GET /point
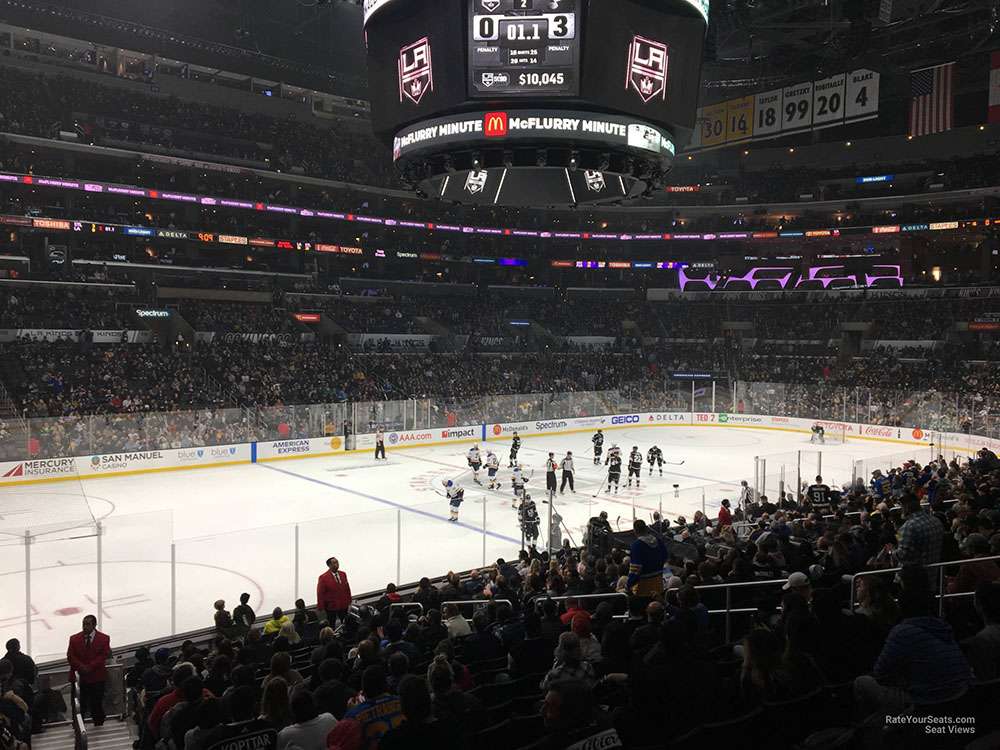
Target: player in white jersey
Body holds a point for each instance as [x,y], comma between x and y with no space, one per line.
[492,466]
[456,496]
[517,480]
[475,462]
[746,496]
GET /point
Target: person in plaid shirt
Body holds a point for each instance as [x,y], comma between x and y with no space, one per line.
[920,536]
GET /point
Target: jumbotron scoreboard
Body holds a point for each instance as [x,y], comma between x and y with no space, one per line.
[534,102]
[523,48]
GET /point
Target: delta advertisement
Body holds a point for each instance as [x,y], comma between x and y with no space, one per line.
[668,418]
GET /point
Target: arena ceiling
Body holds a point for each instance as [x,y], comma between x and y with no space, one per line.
[753,44]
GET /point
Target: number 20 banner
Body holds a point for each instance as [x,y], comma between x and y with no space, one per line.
[829,102]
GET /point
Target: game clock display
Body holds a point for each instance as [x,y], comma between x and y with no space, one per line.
[524,48]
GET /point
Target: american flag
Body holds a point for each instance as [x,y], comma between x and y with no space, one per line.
[932,93]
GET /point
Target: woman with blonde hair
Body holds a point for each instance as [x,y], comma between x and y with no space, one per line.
[288,637]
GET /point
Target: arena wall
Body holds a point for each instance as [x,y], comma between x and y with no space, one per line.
[32,471]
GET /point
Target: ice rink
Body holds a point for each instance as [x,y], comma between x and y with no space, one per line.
[191,537]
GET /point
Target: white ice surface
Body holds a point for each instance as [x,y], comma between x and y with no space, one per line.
[238,528]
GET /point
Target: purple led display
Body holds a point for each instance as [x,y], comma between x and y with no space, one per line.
[783,275]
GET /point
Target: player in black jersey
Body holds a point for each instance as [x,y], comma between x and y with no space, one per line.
[528,517]
[614,464]
[598,441]
[655,456]
[634,466]
[515,446]
[819,496]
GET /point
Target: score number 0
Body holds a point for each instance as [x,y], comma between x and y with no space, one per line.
[524,28]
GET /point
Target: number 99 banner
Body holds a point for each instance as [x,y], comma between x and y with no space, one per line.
[829,102]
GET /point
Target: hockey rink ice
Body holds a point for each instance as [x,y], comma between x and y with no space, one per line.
[227,530]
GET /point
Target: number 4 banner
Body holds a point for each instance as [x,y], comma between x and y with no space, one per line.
[862,95]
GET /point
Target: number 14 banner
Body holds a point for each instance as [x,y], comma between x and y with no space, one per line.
[828,102]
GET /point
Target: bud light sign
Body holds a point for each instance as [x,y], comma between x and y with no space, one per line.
[629,419]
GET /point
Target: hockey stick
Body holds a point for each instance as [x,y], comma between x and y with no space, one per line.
[600,489]
[673,463]
[568,533]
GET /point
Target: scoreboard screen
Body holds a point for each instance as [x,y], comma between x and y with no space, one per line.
[534,102]
[524,48]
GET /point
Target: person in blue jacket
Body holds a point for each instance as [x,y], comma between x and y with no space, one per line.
[647,556]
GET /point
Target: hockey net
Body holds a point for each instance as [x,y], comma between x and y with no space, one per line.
[833,434]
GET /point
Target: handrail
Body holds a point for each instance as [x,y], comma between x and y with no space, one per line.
[540,599]
[79,725]
[939,566]
[728,611]
[581,597]
[405,605]
[476,601]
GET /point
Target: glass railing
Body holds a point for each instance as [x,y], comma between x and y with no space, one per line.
[971,413]
[64,551]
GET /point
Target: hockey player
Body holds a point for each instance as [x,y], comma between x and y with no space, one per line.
[475,462]
[634,466]
[746,497]
[527,515]
[598,541]
[655,456]
[456,496]
[818,434]
[492,466]
[517,481]
[614,464]
[379,444]
[567,473]
[819,496]
[550,474]
[598,441]
[515,446]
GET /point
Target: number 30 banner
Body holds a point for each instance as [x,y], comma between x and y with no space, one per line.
[826,103]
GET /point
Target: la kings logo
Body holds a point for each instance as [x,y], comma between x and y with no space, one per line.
[476,181]
[494,79]
[647,69]
[595,180]
[416,76]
